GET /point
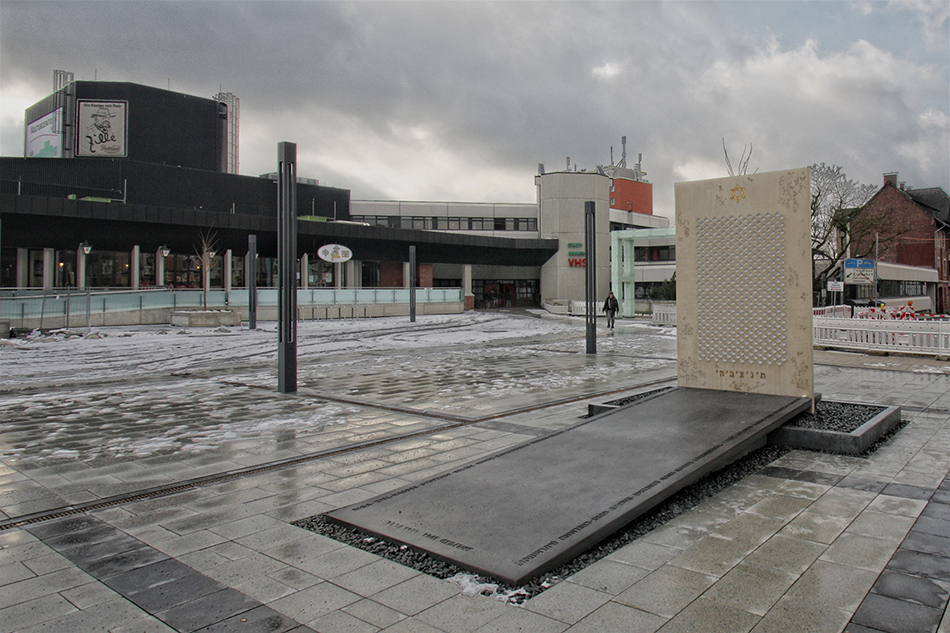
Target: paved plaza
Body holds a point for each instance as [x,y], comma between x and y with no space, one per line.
[150,477]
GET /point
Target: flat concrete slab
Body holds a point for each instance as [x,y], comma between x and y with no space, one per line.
[525,510]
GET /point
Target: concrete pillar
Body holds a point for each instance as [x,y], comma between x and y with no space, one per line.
[159,268]
[406,275]
[337,275]
[304,271]
[467,293]
[205,272]
[49,268]
[228,268]
[134,267]
[354,273]
[80,268]
[22,268]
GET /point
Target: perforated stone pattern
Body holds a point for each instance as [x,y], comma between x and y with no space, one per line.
[740,271]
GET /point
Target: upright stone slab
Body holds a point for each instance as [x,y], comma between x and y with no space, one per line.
[743,283]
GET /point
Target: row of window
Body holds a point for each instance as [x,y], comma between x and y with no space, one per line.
[654,253]
[449,224]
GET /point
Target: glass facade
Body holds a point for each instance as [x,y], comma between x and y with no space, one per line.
[441,223]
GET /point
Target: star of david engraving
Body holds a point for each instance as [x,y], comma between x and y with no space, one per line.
[737,194]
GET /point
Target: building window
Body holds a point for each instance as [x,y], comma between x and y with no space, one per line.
[499,224]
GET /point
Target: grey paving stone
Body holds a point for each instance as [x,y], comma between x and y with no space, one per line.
[15,572]
[917,563]
[860,551]
[375,577]
[416,594]
[609,576]
[896,616]
[925,591]
[258,620]
[342,622]
[795,615]
[617,617]
[666,591]
[148,576]
[927,543]
[567,602]
[23,612]
[750,588]
[374,613]
[174,593]
[207,610]
[708,615]
[523,621]
[836,586]
[103,617]
[123,562]
[314,602]
[908,491]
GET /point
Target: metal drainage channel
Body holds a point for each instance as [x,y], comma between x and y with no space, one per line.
[161,491]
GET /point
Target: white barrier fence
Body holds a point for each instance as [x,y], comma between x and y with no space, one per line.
[927,337]
[861,334]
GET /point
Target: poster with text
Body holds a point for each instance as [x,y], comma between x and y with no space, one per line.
[101,128]
[44,136]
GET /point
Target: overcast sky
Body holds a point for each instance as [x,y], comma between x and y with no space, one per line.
[460,101]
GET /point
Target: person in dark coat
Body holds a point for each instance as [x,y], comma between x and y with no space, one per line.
[610,307]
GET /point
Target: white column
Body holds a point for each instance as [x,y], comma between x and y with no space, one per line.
[467,295]
[134,267]
[228,267]
[304,271]
[205,273]
[159,268]
[337,276]
[22,268]
[80,268]
[354,274]
[49,268]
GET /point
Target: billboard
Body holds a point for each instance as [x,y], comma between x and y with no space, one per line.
[44,136]
[101,129]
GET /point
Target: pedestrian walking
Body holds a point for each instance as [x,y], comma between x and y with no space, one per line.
[610,307]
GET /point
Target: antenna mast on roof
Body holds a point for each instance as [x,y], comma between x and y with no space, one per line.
[623,156]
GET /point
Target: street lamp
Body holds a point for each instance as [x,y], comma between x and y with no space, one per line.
[85,247]
[164,250]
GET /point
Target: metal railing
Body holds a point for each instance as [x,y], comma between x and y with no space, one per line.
[72,307]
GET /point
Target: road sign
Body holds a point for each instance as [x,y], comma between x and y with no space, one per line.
[835,286]
[859,272]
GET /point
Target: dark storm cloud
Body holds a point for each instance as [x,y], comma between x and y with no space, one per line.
[462,99]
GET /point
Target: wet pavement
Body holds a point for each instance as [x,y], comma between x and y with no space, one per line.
[175,470]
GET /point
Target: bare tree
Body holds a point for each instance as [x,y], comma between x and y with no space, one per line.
[839,224]
[743,160]
[206,249]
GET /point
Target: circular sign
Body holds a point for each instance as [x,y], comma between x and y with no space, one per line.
[334,253]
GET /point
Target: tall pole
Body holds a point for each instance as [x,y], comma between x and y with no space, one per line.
[591,285]
[412,284]
[252,282]
[287,268]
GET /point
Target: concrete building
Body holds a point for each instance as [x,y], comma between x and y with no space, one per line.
[110,195]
